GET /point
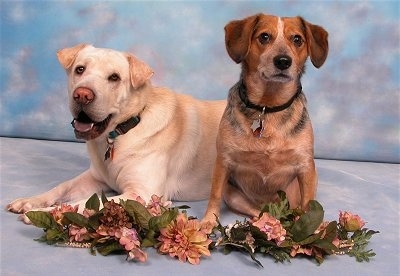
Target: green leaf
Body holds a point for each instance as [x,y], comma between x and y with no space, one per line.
[103,197]
[326,246]
[150,239]
[310,239]
[164,219]
[138,212]
[228,246]
[331,231]
[77,219]
[94,220]
[362,256]
[55,235]
[279,209]
[110,248]
[93,203]
[308,222]
[42,219]
[361,239]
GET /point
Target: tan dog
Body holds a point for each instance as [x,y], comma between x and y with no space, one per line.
[141,140]
[265,140]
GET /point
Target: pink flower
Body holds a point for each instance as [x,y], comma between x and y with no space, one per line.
[140,200]
[58,211]
[350,222]
[105,231]
[78,234]
[184,239]
[155,204]
[137,254]
[128,238]
[271,227]
[88,212]
[297,249]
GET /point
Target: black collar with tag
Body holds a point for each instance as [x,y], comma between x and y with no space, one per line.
[121,129]
[265,109]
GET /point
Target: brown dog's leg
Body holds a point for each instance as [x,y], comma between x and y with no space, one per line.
[308,185]
[238,202]
[219,182]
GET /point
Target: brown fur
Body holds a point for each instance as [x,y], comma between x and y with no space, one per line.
[249,170]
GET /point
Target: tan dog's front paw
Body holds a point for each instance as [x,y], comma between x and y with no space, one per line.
[23,205]
[24,219]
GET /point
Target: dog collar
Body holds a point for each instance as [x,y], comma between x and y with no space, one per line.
[121,129]
[265,109]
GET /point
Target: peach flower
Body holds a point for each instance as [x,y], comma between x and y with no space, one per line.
[184,239]
[58,212]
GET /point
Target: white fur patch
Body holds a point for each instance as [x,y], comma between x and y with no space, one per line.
[280,29]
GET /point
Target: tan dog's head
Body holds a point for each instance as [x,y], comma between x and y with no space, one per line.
[275,48]
[101,85]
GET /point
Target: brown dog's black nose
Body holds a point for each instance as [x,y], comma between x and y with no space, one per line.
[282,62]
[83,95]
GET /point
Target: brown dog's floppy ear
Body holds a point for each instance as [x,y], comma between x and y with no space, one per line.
[238,36]
[317,41]
[140,72]
[67,56]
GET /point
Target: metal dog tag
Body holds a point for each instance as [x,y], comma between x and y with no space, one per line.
[109,152]
[258,125]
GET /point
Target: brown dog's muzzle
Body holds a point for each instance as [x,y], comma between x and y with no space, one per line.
[282,62]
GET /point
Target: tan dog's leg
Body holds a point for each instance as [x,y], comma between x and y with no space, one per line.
[219,182]
[79,187]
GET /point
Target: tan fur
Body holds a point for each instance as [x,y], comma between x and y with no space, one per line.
[171,151]
[249,171]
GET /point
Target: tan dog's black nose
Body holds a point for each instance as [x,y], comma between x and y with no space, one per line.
[83,95]
[282,62]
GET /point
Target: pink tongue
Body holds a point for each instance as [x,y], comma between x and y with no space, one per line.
[82,127]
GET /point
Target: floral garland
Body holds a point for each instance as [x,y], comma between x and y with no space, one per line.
[130,226]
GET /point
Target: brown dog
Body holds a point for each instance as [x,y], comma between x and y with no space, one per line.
[265,140]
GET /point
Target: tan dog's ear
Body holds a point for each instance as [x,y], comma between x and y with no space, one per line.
[67,56]
[140,72]
[238,35]
[317,41]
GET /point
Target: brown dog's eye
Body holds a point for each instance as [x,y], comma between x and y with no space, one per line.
[114,77]
[264,38]
[80,69]
[297,40]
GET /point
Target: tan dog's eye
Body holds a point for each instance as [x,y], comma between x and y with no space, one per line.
[264,38]
[114,77]
[80,69]
[297,40]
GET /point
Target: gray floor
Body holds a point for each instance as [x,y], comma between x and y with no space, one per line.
[32,166]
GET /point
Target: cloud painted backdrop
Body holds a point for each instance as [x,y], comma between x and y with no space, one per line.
[353,99]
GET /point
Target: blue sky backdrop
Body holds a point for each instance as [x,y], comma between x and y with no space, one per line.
[353,99]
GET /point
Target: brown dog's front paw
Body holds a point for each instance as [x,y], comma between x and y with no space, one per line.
[209,221]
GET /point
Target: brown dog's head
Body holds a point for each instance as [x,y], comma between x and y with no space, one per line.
[101,87]
[275,48]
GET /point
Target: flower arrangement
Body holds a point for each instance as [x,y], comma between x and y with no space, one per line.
[130,226]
